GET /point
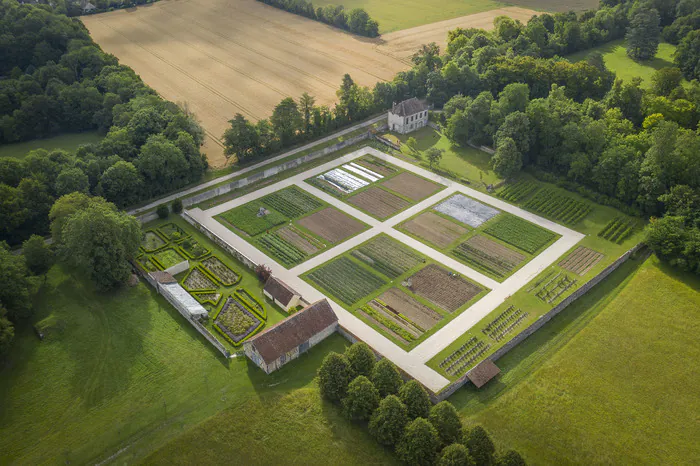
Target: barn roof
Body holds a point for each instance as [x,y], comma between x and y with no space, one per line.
[483,372]
[280,290]
[408,107]
[293,331]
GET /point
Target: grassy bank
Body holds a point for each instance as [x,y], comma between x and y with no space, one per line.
[67,142]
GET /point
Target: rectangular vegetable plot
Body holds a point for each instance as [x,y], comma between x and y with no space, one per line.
[388,256]
[467,210]
[345,279]
[520,233]
[251,220]
[292,202]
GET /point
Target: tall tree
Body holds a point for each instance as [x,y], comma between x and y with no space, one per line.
[306,107]
[16,287]
[443,416]
[7,331]
[507,161]
[687,55]
[121,184]
[644,34]
[389,421]
[361,400]
[420,443]
[479,444]
[386,378]
[286,121]
[334,376]
[455,455]
[241,139]
[415,398]
[361,358]
[38,255]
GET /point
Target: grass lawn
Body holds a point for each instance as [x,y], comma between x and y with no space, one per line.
[464,162]
[616,59]
[394,15]
[611,380]
[127,373]
[68,142]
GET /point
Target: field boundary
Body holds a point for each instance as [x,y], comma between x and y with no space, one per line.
[541,321]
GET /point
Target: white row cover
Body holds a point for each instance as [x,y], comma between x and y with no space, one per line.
[343,180]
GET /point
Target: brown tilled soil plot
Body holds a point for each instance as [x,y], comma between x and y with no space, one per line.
[378,202]
[434,229]
[412,186]
[436,285]
[382,170]
[416,312]
[490,254]
[295,237]
[223,57]
[581,260]
[332,224]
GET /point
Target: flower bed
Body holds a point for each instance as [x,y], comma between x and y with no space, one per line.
[166,258]
[198,279]
[172,232]
[250,301]
[212,297]
[220,271]
[192,249]
[235,322]
[152,241]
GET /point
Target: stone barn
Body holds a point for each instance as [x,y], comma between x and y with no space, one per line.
[407,116]
[286,340]
[281,294]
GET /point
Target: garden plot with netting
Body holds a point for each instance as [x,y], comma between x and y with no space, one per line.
[376,187]
[290,225]
[228,290]
[467,210]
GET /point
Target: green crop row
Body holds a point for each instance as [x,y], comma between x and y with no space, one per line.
[519,191]
[292,202]
[619,229]
[520,233]
[473,256]
[393,326]
[287,254]
[558,206]
[347,280]
[246,219]
[388,256]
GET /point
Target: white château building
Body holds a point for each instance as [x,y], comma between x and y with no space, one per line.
[408,116]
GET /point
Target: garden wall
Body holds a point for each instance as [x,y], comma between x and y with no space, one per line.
[272,171]
[450,389]
[220,242]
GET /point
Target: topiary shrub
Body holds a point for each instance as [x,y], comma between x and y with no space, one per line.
[443,416]
[420,443]
[386,378]
[416,400]
[389,421]
[455,455]
[361,400]
[163,211]
[176,206]
[361,358]
[334,376]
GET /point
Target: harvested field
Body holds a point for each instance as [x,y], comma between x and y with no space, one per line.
[300,240]
[332,225]
[411,186]
[378,202]
[434,229]
[490,255]
[581,260]
[437,286]
[388,256]
[466,210]
[347,280]
[416,312]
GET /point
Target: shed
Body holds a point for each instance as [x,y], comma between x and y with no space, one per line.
[286,340]
[407,116]
[284,296]
[483,372]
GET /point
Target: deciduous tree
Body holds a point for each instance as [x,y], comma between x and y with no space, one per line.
[37,254]
[361,358]
[361,400]
[334,376]
[643,34]
[507,161]
[455,455]
[386,378]
[416,399]
[420,443]
[443,416]
[479,444]
[389,421]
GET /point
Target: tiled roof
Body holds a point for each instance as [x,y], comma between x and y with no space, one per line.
[279,290]
[483,372]
[408,107]
[293,331]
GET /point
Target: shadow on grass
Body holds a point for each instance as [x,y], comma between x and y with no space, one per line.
[536,350]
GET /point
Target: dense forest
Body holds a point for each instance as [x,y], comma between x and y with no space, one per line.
[54,79]
[624,144]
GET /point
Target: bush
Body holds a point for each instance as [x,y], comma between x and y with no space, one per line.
[163,211]
[510,458]
[334,376]
[420,443]
[389,421]
[455,455]
[361,358]
[177,206]
[263,272]
[416,400]
[361,400]
[386,378]
[479,444]
[444,417]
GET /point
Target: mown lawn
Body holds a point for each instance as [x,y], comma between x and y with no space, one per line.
[611,380]
[127,373]
[616,59]
[68,142]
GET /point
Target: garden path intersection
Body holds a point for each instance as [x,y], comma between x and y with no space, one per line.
[414,361]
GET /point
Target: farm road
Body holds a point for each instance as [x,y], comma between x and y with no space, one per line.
[413,362]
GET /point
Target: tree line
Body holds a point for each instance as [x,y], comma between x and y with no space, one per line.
[57,80]
[401,416]
[356,20]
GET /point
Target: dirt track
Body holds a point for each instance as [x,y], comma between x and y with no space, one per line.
[224,57]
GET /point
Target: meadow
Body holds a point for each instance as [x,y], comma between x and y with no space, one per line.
[616,59]
[67,142]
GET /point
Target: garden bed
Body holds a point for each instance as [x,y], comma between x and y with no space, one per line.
[345,279]
[443,288]
[412,186]
[520,233]
[220,271]
[388,256]
[332,225]
[236,322]
[489,255]
[434,229]
[466,210]
[378,202]
[152,241]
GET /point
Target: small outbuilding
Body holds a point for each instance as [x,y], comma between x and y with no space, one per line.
[483,372]
[286,340]
[407,116]
[176,295]
[279,292]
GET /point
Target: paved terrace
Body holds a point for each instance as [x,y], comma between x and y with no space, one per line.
[414,361]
